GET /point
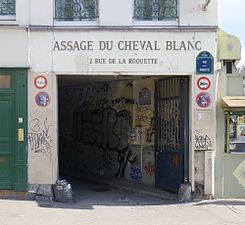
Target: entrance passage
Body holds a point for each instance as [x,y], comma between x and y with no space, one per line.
[13,155]
[106,127]
[171,144]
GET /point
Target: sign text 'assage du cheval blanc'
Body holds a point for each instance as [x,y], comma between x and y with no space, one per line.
[125,46]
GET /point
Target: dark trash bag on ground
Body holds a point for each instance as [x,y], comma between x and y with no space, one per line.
[63,191]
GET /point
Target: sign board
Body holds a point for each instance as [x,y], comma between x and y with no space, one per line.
[203,83]
[121,52]
[203,99]
[42,99]
[40,82]
[205,63]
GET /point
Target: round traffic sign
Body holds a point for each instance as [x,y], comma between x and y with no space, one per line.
[40,82]
[42,99]
[203,99]
[203,83]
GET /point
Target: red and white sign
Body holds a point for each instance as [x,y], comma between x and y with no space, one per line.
[203,83]
[203,99]
[40,82]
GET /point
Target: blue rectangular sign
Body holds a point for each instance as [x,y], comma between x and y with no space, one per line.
[205,63]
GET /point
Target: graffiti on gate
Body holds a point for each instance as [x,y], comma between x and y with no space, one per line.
[135,174]
[39,137]
[202,141]
[149,169]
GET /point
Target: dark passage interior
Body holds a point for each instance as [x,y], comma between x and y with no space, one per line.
[106,127]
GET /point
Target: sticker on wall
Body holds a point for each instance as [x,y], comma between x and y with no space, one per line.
[145,96]
[205,63]
[203,83]
[42,99]
[203,99]
[40,82]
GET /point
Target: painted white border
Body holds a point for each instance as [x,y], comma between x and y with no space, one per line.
[7,18]
[155,23]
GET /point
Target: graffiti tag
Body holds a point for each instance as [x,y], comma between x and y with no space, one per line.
[149,169]
[106,128]
[203,142]
[123,100]
[124,159]
[135,174]
[151,130]
[40,140]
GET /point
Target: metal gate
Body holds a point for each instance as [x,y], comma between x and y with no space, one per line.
[172,132]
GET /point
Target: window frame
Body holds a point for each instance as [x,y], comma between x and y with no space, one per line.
[164,22]
[8,17]
[227,132]
[77,23]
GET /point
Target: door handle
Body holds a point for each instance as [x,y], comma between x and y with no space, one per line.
[20,134]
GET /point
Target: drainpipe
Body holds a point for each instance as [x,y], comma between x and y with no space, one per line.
[204,7]
[29,34]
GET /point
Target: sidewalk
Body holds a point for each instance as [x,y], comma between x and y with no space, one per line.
[97,205]
[101,205]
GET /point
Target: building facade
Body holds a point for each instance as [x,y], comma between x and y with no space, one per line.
[108,88]
[229,163]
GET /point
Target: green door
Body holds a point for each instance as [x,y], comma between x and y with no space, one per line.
[13,121]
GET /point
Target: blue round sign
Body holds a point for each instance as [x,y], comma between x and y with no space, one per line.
[203,99]
[42,99]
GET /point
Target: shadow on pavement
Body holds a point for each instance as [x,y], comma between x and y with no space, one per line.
[87,195]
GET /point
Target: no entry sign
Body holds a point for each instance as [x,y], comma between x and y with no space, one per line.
[203,83]
[203,99]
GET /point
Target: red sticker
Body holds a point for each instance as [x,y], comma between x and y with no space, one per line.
[175,159]
[203,83]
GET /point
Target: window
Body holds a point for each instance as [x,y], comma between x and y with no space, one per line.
[235,132]
[76,10]
[7,8]
[5,81]
[228,67]
[155,10]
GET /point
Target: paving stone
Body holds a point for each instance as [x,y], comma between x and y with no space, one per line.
[44,201]
[45,190]
[184,194]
